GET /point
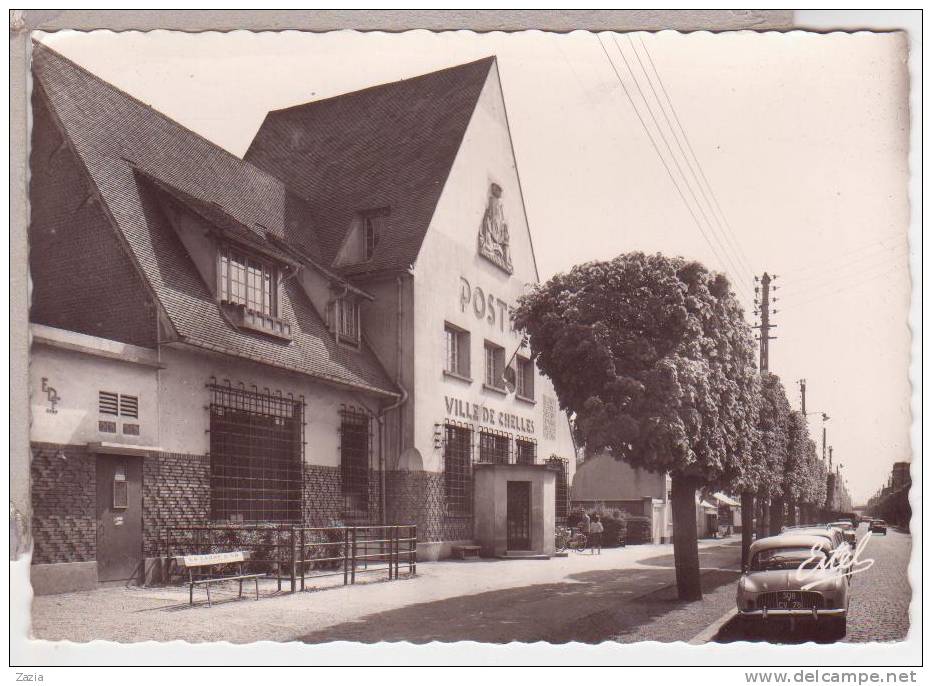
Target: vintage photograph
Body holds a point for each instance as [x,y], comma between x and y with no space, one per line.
[585,337]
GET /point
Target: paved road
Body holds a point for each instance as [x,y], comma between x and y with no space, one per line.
[626,605]
[879,608]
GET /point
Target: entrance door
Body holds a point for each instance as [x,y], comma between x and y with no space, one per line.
[119,518]
[519,515]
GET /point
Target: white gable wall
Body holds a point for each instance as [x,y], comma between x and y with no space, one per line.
[453,283]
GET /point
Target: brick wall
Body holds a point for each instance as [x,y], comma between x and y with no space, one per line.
[175,492]
[418,498]
[82,278]
[64,504]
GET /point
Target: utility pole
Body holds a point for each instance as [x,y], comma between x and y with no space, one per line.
[763,301]
[802,393]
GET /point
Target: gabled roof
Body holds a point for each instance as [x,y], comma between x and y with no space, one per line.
[123,145]
[391,146]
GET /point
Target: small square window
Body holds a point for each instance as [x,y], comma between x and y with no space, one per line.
[525,451]
[494,366]
[456,350]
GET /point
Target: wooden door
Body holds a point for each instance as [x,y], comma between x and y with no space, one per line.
[519,515]
[119,518]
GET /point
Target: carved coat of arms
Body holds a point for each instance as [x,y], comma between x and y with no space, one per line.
[493,234]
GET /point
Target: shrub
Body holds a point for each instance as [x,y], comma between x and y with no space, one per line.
[639,530]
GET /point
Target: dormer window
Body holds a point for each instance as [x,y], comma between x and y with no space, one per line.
[344,319]
[373,228]
[247,281]
[248,291]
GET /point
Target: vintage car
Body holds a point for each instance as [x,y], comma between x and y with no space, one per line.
[849,530]
[877,526]
[792,575]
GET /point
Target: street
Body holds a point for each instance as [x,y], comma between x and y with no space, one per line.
[879,604]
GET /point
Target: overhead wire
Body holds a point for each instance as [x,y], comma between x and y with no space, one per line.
[664,162]
[720,218]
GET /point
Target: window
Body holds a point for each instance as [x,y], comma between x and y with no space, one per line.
[354,463]
[524,378]
[346,320]
[256,446]
[494,366]
[457,468]
[494,447]
[120,488]
[247,281]
[456,351]
[372,230]
[525,451]
[561,491]
[106,427]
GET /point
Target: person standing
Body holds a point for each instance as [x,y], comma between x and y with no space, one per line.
[595,534]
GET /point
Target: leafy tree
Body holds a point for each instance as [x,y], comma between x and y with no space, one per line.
[773,424]
[654,358]
[796,467]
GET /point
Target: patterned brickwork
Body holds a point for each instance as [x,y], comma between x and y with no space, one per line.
[64,502]
[323,497]
[175,492]
[417,498]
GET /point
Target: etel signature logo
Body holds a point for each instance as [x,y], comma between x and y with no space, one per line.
[842,561]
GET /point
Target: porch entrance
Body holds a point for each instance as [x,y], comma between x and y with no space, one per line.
[519,515]
[119,518]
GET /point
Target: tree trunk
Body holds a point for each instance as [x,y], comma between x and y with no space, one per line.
[790,512]
[685,539]
[763,515]
[747,525]
[776,515]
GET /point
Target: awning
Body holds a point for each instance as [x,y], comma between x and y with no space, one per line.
[725,500]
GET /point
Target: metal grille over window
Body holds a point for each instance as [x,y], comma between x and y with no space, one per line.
[256,450]
[561,492]
[494,446]
[525,451]
[129,406]
[457,468]
[355,454]
[108,403]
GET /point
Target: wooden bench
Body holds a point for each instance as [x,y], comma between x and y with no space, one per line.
[466,552]
[193,562]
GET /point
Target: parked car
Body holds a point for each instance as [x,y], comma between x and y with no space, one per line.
[772,584]
[877,526]
[849,530]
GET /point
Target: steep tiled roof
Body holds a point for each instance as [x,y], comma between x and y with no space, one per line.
[387,146]
[122,142]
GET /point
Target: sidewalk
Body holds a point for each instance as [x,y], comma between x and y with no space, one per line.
[580,597]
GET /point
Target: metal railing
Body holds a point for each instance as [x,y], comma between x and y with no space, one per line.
[298,554]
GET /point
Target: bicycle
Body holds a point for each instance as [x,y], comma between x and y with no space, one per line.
[567,538]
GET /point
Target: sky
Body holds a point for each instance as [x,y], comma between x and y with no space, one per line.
[787,152]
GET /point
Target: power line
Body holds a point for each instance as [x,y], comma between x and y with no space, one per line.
[840,272]
[663,161]
[726,228]
[820,266]
[848,287]
[730,263]
[660,155]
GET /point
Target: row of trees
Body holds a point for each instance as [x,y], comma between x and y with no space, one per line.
[654,359]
